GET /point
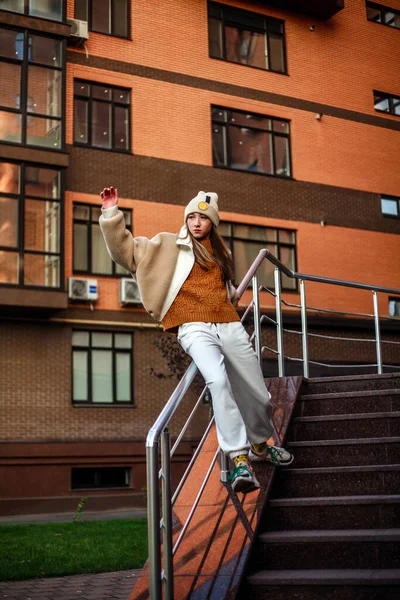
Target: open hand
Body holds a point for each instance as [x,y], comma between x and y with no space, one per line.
[109,197]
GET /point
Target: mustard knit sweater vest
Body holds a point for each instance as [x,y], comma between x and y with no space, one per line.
[201,298]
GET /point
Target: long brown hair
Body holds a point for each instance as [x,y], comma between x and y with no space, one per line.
[221,257]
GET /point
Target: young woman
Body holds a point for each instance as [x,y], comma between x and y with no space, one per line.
[185,282]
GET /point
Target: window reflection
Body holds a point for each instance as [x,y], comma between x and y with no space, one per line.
[250,142]
[30,220]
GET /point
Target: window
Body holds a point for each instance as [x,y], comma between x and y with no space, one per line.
[105,16]
[390,206]
[394,307]
[246,38]
[90,252]
[100,477]
[250,142]
[31,90]
[245,242]
[383,14]
[44,9]
[30,225]
[102,368]
[387,103]
[102,118]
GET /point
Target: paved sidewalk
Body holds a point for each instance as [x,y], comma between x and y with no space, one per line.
[66,517]
[95,586]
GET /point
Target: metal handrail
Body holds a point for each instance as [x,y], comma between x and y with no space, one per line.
[159,431]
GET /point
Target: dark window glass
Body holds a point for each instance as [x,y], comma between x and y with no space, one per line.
[250,142]
[245,242]
[110,17]
[383,14]
[30,226]
[102,116]
[246,38]
[390,206]
[100,477]
[101,17]
[44,9]
[31,90]
[102,367]
[387,103]
[90,252]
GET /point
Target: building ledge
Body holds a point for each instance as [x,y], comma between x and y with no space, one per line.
[17,301]
[34,23]
[311,8]
[21,153]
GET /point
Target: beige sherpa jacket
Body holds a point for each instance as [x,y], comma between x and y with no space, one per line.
[160,265]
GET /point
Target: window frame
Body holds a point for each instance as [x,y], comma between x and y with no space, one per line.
[383,10]
[90,402]
[113,104]
[396,199]
[89,18]
[88,223]
[390,98]
[227,148]
[20,248]
[25,63]
[396,300]
[265,30]
[229,242]
[27,13]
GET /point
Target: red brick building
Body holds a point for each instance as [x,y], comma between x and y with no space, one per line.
[288,110]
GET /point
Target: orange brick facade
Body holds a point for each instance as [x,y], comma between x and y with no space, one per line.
[341,164]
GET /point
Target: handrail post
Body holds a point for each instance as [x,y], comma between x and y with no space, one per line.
[377,333]
[153,508]
[167,516]
[279,323]
[224,467]
[304,329]
[257,322]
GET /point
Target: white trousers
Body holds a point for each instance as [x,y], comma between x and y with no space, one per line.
[226,359]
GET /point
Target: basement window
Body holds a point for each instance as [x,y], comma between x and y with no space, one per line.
[394,307]
[102,477]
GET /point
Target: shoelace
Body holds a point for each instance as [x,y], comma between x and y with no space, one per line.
[275,455]
[237,471]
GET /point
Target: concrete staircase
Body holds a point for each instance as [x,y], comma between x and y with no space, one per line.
[331,528]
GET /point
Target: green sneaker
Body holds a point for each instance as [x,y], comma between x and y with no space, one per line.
[243,479]
[279,457]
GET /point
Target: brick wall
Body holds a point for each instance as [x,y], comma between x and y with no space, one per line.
[36,390]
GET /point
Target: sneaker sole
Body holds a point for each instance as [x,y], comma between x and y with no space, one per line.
[255,458]
[245,486]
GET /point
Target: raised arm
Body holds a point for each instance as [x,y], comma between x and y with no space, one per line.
[121,246]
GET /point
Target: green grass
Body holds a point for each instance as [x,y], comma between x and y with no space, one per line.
[51,550]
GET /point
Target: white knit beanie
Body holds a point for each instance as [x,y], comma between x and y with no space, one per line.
[205,203]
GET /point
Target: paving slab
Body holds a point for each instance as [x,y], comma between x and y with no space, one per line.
[93,586]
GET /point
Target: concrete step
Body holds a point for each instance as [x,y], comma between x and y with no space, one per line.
[346,452]
[337,481]
[369,401]
[331,512]
[314,584]
[334,427]
[328,549]
[347,383]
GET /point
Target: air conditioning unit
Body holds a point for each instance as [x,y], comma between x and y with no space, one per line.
[84,290]
[129,292]
[79,31]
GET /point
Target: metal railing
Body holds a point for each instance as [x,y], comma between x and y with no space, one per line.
[160,511]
